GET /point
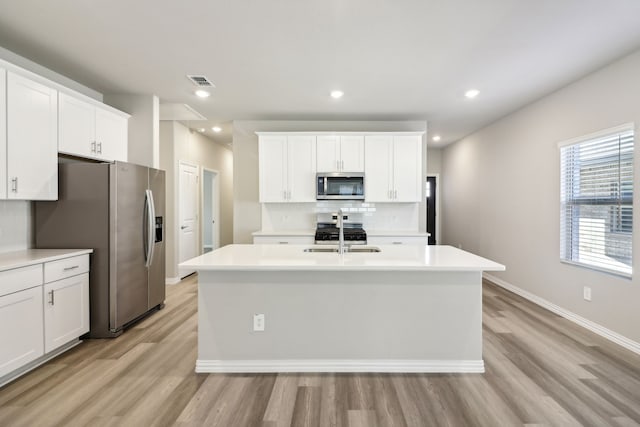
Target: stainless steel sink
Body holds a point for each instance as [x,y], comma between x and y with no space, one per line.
[353,249]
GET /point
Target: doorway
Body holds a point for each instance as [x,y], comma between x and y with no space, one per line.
[210,210]
[187,214]
[433,206]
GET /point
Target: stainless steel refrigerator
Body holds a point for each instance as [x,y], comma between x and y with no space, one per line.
[118,210]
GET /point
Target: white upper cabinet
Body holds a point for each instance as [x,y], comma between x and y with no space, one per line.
[393,168]
[287,168]
[91,131]
[3,133]
[343,153]
[32,139]
[111,135]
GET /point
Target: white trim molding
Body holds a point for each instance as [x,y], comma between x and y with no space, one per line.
[338,365]
[172,280]
[579,320]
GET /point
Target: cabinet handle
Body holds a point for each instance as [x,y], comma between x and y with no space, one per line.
[51,298]
[397,243]
[99,147]
[71,268]
[93,147]
[14,184]
[289,195]
[341,165]
[338,165]
[395,194]
[284,194]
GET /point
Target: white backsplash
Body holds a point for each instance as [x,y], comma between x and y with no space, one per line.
[16,225]
[376,217]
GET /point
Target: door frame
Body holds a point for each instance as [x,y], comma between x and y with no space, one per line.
[215,197]
[438,201]
[197,222]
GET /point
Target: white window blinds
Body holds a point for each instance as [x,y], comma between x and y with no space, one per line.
[596,201]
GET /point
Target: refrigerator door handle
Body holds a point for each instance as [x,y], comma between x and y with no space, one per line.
[151,216]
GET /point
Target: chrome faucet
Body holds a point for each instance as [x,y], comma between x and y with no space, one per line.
[341,248]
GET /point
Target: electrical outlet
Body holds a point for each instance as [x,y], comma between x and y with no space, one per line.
[258,322]
[586,293]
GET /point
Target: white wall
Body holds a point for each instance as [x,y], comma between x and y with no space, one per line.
[178,143]
[434,160]
[144,139]
[501,195]
[247,209]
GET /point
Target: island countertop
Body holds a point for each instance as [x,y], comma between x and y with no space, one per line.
[294,258]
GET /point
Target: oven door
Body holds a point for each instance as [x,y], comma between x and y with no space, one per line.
[340,186]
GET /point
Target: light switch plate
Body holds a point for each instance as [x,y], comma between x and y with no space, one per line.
[258,322]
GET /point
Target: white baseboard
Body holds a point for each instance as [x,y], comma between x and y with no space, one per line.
[171,280]
[337,365]
[39,361]
[585,323]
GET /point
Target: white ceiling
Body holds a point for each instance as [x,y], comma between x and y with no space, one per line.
[279,59]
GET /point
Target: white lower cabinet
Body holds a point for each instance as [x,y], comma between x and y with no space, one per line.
[66,310]
[21,329]
[43,306]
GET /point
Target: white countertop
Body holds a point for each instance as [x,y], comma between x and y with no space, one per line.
[293,258]
[381,233]
[10,260]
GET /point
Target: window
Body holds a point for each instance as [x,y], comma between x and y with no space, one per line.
[596,200]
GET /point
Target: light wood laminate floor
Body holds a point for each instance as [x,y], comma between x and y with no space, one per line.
[540,370]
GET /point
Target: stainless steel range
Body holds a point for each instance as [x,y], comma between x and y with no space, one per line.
[327,231]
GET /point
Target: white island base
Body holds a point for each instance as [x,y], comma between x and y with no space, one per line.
[405,309]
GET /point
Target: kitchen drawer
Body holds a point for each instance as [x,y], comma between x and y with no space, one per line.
[67,267]
[19,279]
[397,240]
[283,240]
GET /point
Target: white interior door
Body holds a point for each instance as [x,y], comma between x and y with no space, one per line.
[188,215]
[210,211]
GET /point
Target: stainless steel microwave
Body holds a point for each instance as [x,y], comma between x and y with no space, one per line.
[340,186]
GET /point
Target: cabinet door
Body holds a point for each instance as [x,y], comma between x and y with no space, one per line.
[3,133]
[111,135]
[66,310]
[301,168]
[76,127]
[378,171]
[352,153]
[328,153]
[272,160]
[21,329]
[407,168]
[32,139]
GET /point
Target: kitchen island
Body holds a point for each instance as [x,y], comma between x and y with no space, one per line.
[406,308]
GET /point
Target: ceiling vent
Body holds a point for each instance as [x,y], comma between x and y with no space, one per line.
[200,81]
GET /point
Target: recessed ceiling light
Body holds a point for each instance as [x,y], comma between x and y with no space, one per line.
[216,128]
[201,130]
[472,93]
[436,138]
[336,94]
[202,93]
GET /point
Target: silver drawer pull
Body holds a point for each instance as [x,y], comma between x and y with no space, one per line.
[71,268]
[283,243]
[51,298]
[397,243]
